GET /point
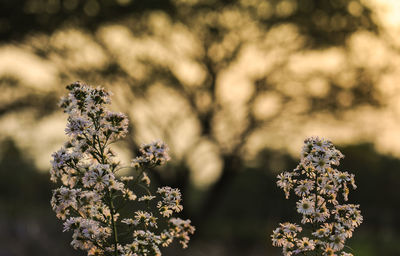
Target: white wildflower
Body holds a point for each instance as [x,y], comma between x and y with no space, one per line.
[92,196]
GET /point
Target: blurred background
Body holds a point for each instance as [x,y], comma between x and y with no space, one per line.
[233,86]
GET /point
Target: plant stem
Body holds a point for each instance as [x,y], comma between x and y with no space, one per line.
[111,203]
[314,228]
[114,226]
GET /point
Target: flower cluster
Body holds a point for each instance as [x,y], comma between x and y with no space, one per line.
[151,155]
[91,195]
[319,187]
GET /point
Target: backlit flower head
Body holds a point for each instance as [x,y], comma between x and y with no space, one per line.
[151,155]
[321,189]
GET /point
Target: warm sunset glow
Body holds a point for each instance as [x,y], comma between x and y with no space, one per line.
[165,112]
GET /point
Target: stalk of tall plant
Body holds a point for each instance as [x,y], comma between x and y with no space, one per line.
[92,196]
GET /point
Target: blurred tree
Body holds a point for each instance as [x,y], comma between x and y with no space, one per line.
[233,63]
[217,79]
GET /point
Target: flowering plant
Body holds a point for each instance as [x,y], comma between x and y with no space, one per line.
[319,186]
[92,196]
